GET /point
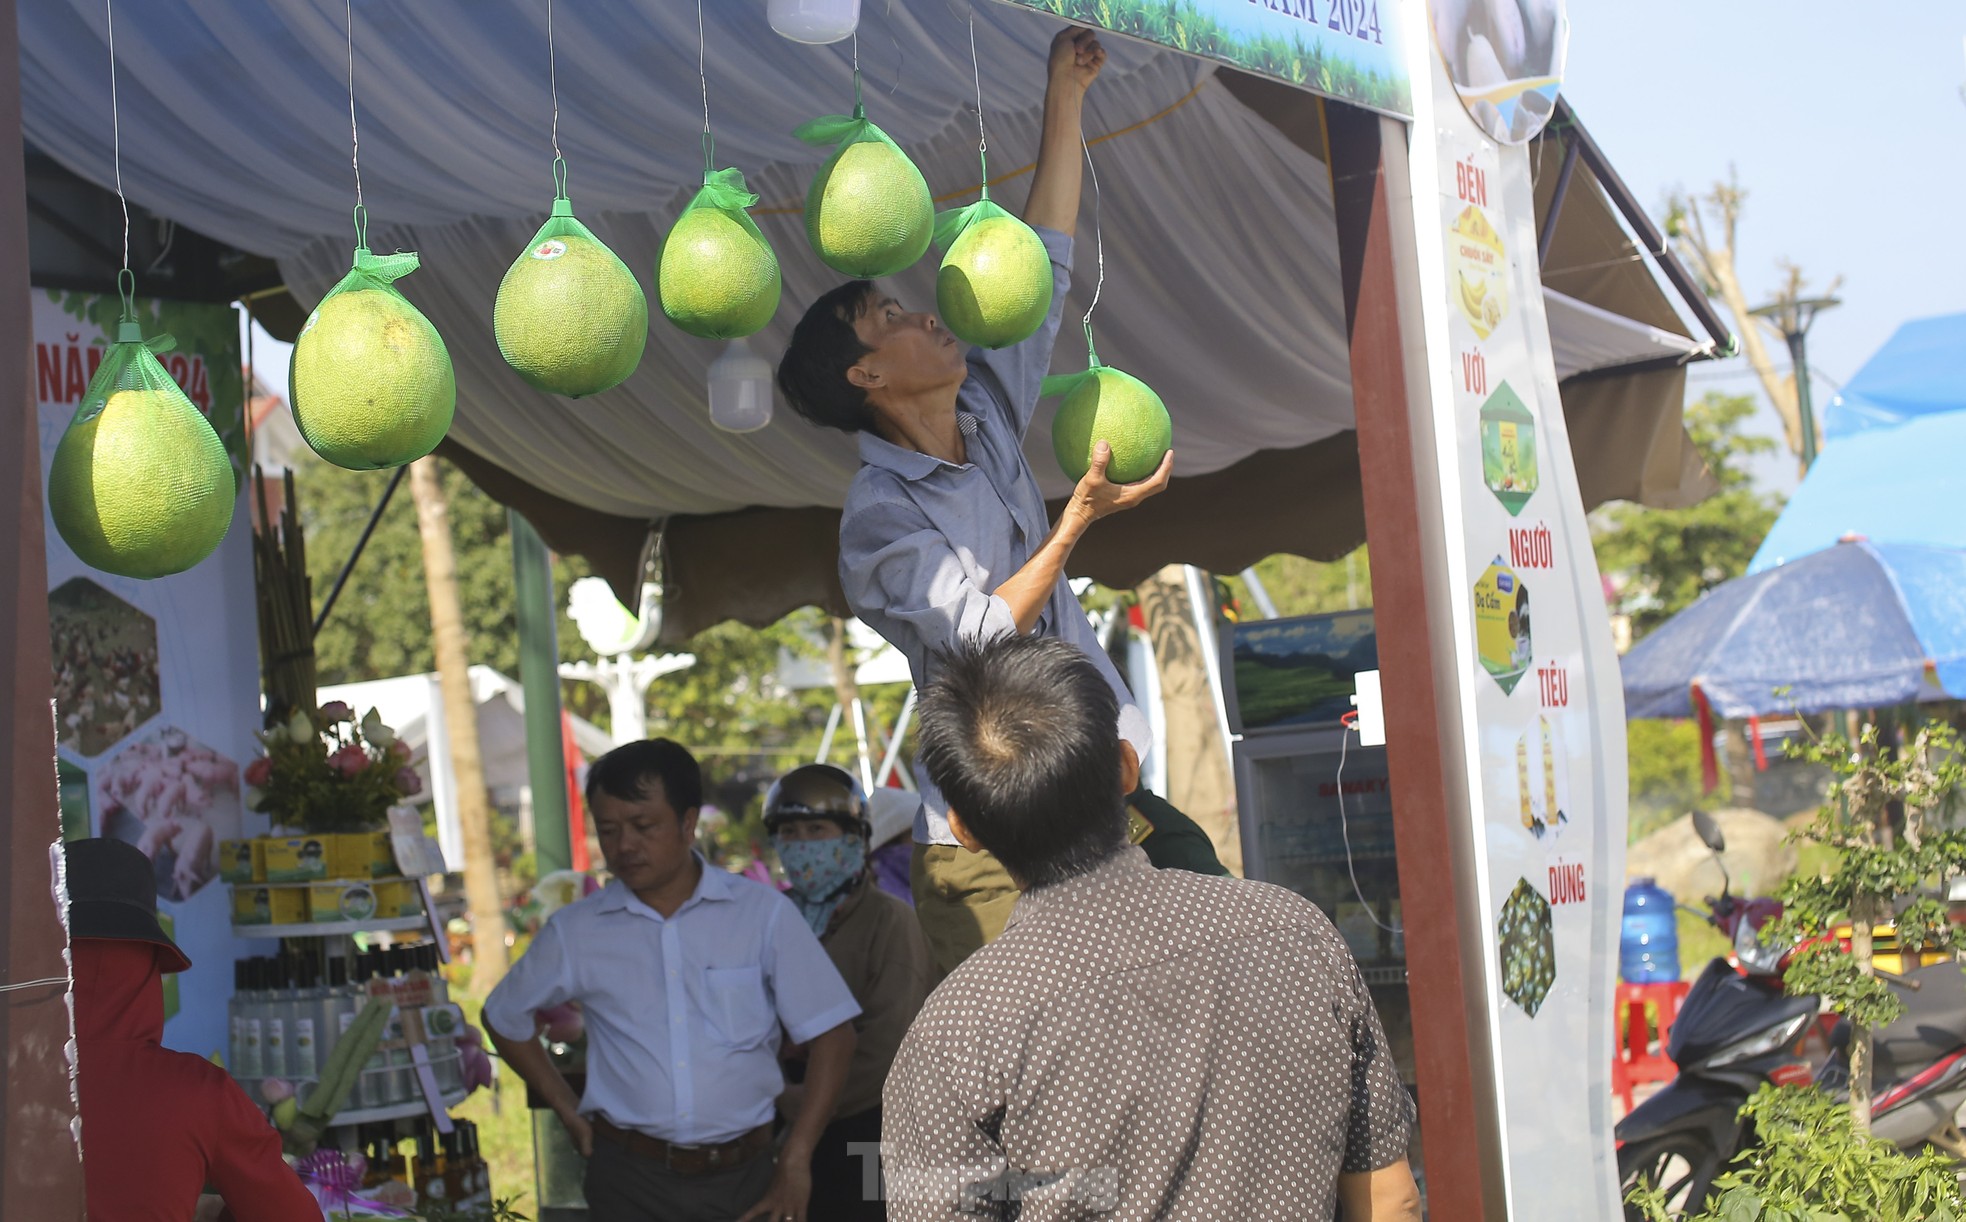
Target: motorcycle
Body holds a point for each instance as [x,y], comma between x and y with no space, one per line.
[1737,1030]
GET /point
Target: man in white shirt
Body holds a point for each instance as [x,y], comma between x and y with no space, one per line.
[686,974]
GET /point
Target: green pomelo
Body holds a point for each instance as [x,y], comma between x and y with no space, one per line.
[1120,410]
[371,381]
[868,213]
[145,488]
[994,287]
[570,317]
[717,280]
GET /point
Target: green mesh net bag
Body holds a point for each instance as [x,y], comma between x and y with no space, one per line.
[1109,405]
[716,275]
[570,317]
[994,286]
[868,211]
[141,485]
[370,380]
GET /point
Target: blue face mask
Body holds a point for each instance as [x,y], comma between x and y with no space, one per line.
[819,872]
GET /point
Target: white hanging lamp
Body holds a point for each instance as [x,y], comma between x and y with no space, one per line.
[814,21]
[740,389]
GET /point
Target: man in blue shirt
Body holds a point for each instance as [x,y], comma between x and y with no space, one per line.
[686,974]
[944,536]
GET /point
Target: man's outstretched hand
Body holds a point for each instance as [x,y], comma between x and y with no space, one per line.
[1097,497]
[1076,58]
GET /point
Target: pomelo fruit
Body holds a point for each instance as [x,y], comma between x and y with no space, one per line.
[868,212]
[570,317]
[371,382]
[1119,409]
[994,287]
[145,488]
[716,278]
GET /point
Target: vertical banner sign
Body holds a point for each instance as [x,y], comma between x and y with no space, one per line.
[157,682]
[1351,50]
[1548,712]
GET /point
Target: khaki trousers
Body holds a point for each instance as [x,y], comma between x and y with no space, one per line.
[962,899]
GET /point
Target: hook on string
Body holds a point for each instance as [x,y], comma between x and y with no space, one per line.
[361,227]
[559,177]
[126,287]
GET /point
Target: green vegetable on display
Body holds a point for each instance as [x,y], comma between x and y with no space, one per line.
[717,276]
[868,213]
[141,485]
[570,317]
[371,383]
[995,285]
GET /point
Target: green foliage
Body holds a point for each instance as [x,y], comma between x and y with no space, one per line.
[381,625]
[1811,1165]
[1665,774]
[1307,587]
[1886,822]
[1664,559]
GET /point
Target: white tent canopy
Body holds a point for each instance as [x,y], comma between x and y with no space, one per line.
[1223,285]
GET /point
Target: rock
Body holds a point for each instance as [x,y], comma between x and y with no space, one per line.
[1756,856]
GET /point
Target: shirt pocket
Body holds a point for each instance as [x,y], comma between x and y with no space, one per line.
[739,1013]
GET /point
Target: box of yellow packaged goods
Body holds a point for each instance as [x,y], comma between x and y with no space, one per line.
[236,860]
[398,899]
[252,905]
[299,859]
[361,855]
[289,905]
[333,902]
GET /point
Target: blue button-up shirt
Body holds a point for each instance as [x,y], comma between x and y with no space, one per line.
[683,1013]
[924,543]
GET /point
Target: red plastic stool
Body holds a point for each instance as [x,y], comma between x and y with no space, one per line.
[1635,1061]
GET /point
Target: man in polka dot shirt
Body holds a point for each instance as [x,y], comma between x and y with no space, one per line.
[1139,1044]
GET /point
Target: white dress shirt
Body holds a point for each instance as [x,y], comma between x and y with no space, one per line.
[683,1013]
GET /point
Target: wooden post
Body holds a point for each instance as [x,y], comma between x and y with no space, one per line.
[1406,531]
[40,1168]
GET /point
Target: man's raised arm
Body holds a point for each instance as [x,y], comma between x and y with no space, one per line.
[1076,58]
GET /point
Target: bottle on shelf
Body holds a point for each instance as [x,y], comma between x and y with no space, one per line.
[247,1029]
[273,1049]
[302,1009]
[430,1186]
[372,1088]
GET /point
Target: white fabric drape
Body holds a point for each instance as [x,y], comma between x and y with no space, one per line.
[1222,285]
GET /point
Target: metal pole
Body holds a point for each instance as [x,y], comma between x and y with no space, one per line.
[1799,359]
[362,543]
[539,677]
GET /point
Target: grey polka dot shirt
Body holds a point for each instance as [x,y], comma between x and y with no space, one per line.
[1144,1044]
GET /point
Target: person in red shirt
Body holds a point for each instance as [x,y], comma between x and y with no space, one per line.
[157,1126]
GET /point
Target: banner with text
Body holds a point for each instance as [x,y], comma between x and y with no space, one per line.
[1351,50]
[157,682]
[1548,711]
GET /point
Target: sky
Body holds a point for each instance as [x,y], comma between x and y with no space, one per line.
[1844,176]
[1848,130]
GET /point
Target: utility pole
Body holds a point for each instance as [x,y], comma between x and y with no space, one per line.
[1793,314]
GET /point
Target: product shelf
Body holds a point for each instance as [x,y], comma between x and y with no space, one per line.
[332,928]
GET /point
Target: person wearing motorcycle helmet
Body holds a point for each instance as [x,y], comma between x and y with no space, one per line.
[818,820]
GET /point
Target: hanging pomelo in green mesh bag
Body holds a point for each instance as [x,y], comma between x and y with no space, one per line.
[868,212]
[994,287]
[370,380]
[570,316]
[141,485]
[717,276]
[1113,406]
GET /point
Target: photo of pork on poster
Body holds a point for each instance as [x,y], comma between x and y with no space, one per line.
[105,660]
[174,798]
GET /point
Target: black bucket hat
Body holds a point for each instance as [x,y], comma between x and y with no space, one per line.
[112,893]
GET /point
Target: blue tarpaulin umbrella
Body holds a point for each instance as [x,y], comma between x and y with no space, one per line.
[1855,626]
[1897,444]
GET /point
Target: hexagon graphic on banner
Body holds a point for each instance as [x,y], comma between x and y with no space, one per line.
[1528,947]
[174,798]
[105,664]
[1508,448]
[1501,607]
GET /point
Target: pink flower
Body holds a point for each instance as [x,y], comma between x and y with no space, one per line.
[349,761]
[408,781]
[399,750]
[259,772]
[336,711]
